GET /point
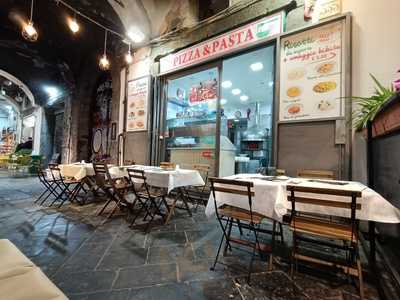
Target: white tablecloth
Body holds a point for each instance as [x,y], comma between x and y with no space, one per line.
[158,177]
[77,171]
[270,200]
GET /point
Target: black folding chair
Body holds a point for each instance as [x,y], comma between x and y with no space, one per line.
[199,194]
[114,189]
[69,188]
[149,201]
[48,183]
[245,218]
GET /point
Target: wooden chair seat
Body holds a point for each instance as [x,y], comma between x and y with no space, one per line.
[240,214]
[324,229]
[71,181]
[153,194]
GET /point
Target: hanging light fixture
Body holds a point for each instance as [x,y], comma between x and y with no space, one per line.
[73,24]
[28,31]
[128,56]
[104,63]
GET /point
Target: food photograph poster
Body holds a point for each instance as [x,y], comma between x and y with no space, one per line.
[138,92]
[311,74]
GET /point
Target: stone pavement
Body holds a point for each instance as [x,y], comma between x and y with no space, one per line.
[91,260]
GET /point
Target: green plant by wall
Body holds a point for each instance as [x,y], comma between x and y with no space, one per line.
[368,107]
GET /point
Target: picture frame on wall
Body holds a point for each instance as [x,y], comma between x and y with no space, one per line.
[113,131]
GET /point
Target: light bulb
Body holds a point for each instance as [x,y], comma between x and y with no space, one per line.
[73,25]
[29,32]
[129,58]
[104,62]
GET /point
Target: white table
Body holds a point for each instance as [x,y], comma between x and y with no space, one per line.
[77,171]
[156,176]
[270,200]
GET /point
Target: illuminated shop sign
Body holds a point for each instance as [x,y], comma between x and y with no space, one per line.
[242,37]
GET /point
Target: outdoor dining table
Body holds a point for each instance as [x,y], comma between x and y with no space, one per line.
[270,199]
[170,180]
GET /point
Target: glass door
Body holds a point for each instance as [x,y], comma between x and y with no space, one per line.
[191,118]
[247,93]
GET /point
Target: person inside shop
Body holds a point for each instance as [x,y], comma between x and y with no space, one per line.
[25,145]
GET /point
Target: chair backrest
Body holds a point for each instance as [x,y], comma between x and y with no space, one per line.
[204,171]
[129,162]
[280,172]
[316,196]
[235,187]
[167,165]
[102,175]
[55,158]
[137,177]
[55,172]
[318,174]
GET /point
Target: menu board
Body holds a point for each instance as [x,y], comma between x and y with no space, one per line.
[137,108]
[311,74]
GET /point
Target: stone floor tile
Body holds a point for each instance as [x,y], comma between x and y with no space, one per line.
[164,292]
[166,239]
[123,258]
[108,295]
[84,282]
[199,270]
[146,275]
[168,254]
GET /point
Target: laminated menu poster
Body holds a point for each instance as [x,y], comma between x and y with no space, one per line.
[311,74]
[138,92]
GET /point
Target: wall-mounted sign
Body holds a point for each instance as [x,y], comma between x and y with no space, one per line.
[245,36]
[137,100]
[311,74]
[321,9]
[327,8]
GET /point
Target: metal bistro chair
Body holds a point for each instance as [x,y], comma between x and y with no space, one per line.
[115,189]
[327,231]
[48,183]
[146,198]
[69,188]
[245,218]
[200,193]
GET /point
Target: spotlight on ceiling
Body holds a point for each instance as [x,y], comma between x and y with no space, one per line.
[257,66]
[236,92]
[244,98]
[226,84]
[135,34]
[223,101]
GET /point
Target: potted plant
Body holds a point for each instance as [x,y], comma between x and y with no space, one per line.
[368,107]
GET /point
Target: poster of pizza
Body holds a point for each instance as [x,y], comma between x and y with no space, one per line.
[137,108]
[311,76]
[204,91]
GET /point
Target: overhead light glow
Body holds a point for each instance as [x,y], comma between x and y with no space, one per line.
[226,84]
[3,92]
[29,32]
[244,98]
[257,66]
[135,34]
[223,101]
[52,91]
[128,56]
[104,63]
[73,25]
[236,92]
[271,83]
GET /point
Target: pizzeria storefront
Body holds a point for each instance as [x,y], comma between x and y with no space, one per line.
[256,97]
